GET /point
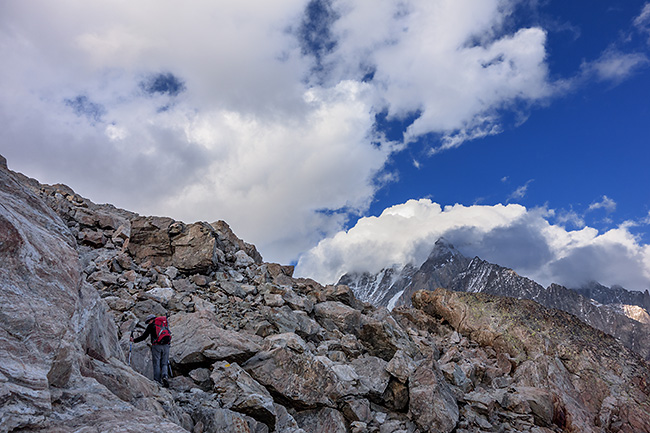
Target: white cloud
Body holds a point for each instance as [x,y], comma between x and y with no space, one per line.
[257,138]
[254,138]
[614,65]
[450,60]
[511,235]
[564,218]
[642,22]
[520,192]
[401,234]
[606,203]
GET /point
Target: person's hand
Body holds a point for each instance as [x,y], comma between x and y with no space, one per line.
[131,339]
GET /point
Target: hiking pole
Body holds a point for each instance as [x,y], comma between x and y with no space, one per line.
[131,346]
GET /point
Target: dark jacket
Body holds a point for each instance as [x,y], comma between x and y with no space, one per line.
[149,331]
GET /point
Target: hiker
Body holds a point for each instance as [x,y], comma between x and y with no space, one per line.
[158,330]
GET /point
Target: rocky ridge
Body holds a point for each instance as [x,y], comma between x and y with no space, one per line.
[257,350]
[447,267]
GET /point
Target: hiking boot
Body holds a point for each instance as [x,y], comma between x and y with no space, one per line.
[165,382]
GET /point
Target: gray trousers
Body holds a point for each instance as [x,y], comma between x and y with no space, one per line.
[160,360]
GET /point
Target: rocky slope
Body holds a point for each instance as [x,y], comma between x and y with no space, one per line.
[635,305]
[447,267]
[256,350]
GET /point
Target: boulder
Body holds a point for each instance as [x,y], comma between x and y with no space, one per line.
[383,336]
[357,409]
[198,340]
[431,404]
[300,378]
[287,320]
[401,366]
[243,260]
[372,374]
[285,423]
[132,387]
[322,420]
[210,417]
[194,248]
[229,243]
[150,241]
[336,315]
[545,407]
[238,391]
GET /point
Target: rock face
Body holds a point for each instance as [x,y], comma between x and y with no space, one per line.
[55,328]
[587,375]
[256,350]
[447,267]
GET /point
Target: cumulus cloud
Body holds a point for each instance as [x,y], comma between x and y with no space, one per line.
[247,111]
[244,110]
[511,235]
[450,61]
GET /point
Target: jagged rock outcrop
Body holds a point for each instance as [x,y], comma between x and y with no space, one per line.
[253,349]
[591,382]
[54,329]
[447,267]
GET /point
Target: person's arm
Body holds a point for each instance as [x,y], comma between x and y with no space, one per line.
[145,334]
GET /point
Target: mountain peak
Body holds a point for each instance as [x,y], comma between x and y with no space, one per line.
[443,248]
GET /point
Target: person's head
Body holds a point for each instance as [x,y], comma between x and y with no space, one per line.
[149,318]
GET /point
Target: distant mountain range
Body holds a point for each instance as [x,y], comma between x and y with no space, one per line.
[621,313]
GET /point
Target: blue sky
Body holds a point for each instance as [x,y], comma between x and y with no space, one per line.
[349,135]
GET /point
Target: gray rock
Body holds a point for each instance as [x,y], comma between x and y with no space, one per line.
[401,366]
[322,420]
[52,324]
[431,403]
[287,320]
[243,260]
[336,315]
[210,417]
[300,378]
[194,248]
[372,374]
[233,289]
[383,336]
[285,423]
[273,299]
[241,393]
[196,339]
[357,409]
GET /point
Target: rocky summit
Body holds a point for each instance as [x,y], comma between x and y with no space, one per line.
[256,350]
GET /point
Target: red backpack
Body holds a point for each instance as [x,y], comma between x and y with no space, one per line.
[163,334]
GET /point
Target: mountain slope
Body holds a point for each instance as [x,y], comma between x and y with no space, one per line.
[255,350]
[447,267]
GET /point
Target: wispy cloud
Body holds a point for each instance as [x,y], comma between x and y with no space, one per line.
[606,203]
[520,192]
[614,65]
[564,218]
[642,22]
